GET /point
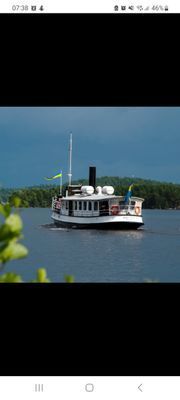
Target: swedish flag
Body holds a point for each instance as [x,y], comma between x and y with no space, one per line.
[128,194]
[54,177]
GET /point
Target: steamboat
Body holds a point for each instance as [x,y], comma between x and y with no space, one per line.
[92,207]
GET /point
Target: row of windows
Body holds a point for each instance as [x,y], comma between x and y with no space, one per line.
[82,205]
[89,205]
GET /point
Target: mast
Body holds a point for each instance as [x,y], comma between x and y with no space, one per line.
[70,159]
[60,185]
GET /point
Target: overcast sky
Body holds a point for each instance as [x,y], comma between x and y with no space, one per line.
[120,141]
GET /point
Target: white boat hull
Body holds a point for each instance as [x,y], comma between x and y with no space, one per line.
[103,222]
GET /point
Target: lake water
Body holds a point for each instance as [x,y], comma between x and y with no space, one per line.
[152,252]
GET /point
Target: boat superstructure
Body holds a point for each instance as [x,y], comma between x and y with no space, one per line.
[95,207]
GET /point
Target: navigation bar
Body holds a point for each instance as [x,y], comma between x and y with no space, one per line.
[89,388]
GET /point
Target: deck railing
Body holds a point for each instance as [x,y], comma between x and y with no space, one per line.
[56,205]
[124,210]
[114,209]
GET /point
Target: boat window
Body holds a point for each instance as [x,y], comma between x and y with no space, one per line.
[90,206]
[66,205]
[80,205]
[133,203]
[75,205]
[104,207]
[95,206]
[85,205]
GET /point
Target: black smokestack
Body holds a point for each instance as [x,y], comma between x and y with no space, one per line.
[92,177]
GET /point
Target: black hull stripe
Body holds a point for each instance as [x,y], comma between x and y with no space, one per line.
[108,225]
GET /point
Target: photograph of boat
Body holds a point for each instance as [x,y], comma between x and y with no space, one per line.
[89,194]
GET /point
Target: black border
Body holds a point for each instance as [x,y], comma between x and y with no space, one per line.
[89,329]
[97,59]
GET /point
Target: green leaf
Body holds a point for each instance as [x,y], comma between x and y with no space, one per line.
[16,201]
[41,276]
[69,278]
[11,228]
[6,235]
[10,277]
[14,223]
[5,210]
[12,251]
[2,209]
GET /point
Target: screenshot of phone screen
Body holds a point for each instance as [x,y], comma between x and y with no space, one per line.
[89,218]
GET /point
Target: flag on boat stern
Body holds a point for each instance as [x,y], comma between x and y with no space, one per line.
[128,194]
[54,177]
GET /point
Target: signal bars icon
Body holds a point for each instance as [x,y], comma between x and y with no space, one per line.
[39,387]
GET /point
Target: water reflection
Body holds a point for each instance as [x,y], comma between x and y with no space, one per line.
[52,227]
[134,234]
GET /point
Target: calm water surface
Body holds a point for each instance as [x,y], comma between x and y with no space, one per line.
[152,252]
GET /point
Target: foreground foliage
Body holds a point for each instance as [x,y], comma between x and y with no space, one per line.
[10,235]
[12,249]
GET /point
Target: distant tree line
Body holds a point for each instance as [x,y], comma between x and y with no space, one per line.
[160,195]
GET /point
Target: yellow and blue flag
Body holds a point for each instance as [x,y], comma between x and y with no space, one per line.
[128,194]
[54,177]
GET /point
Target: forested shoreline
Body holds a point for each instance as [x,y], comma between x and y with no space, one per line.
[157,195]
